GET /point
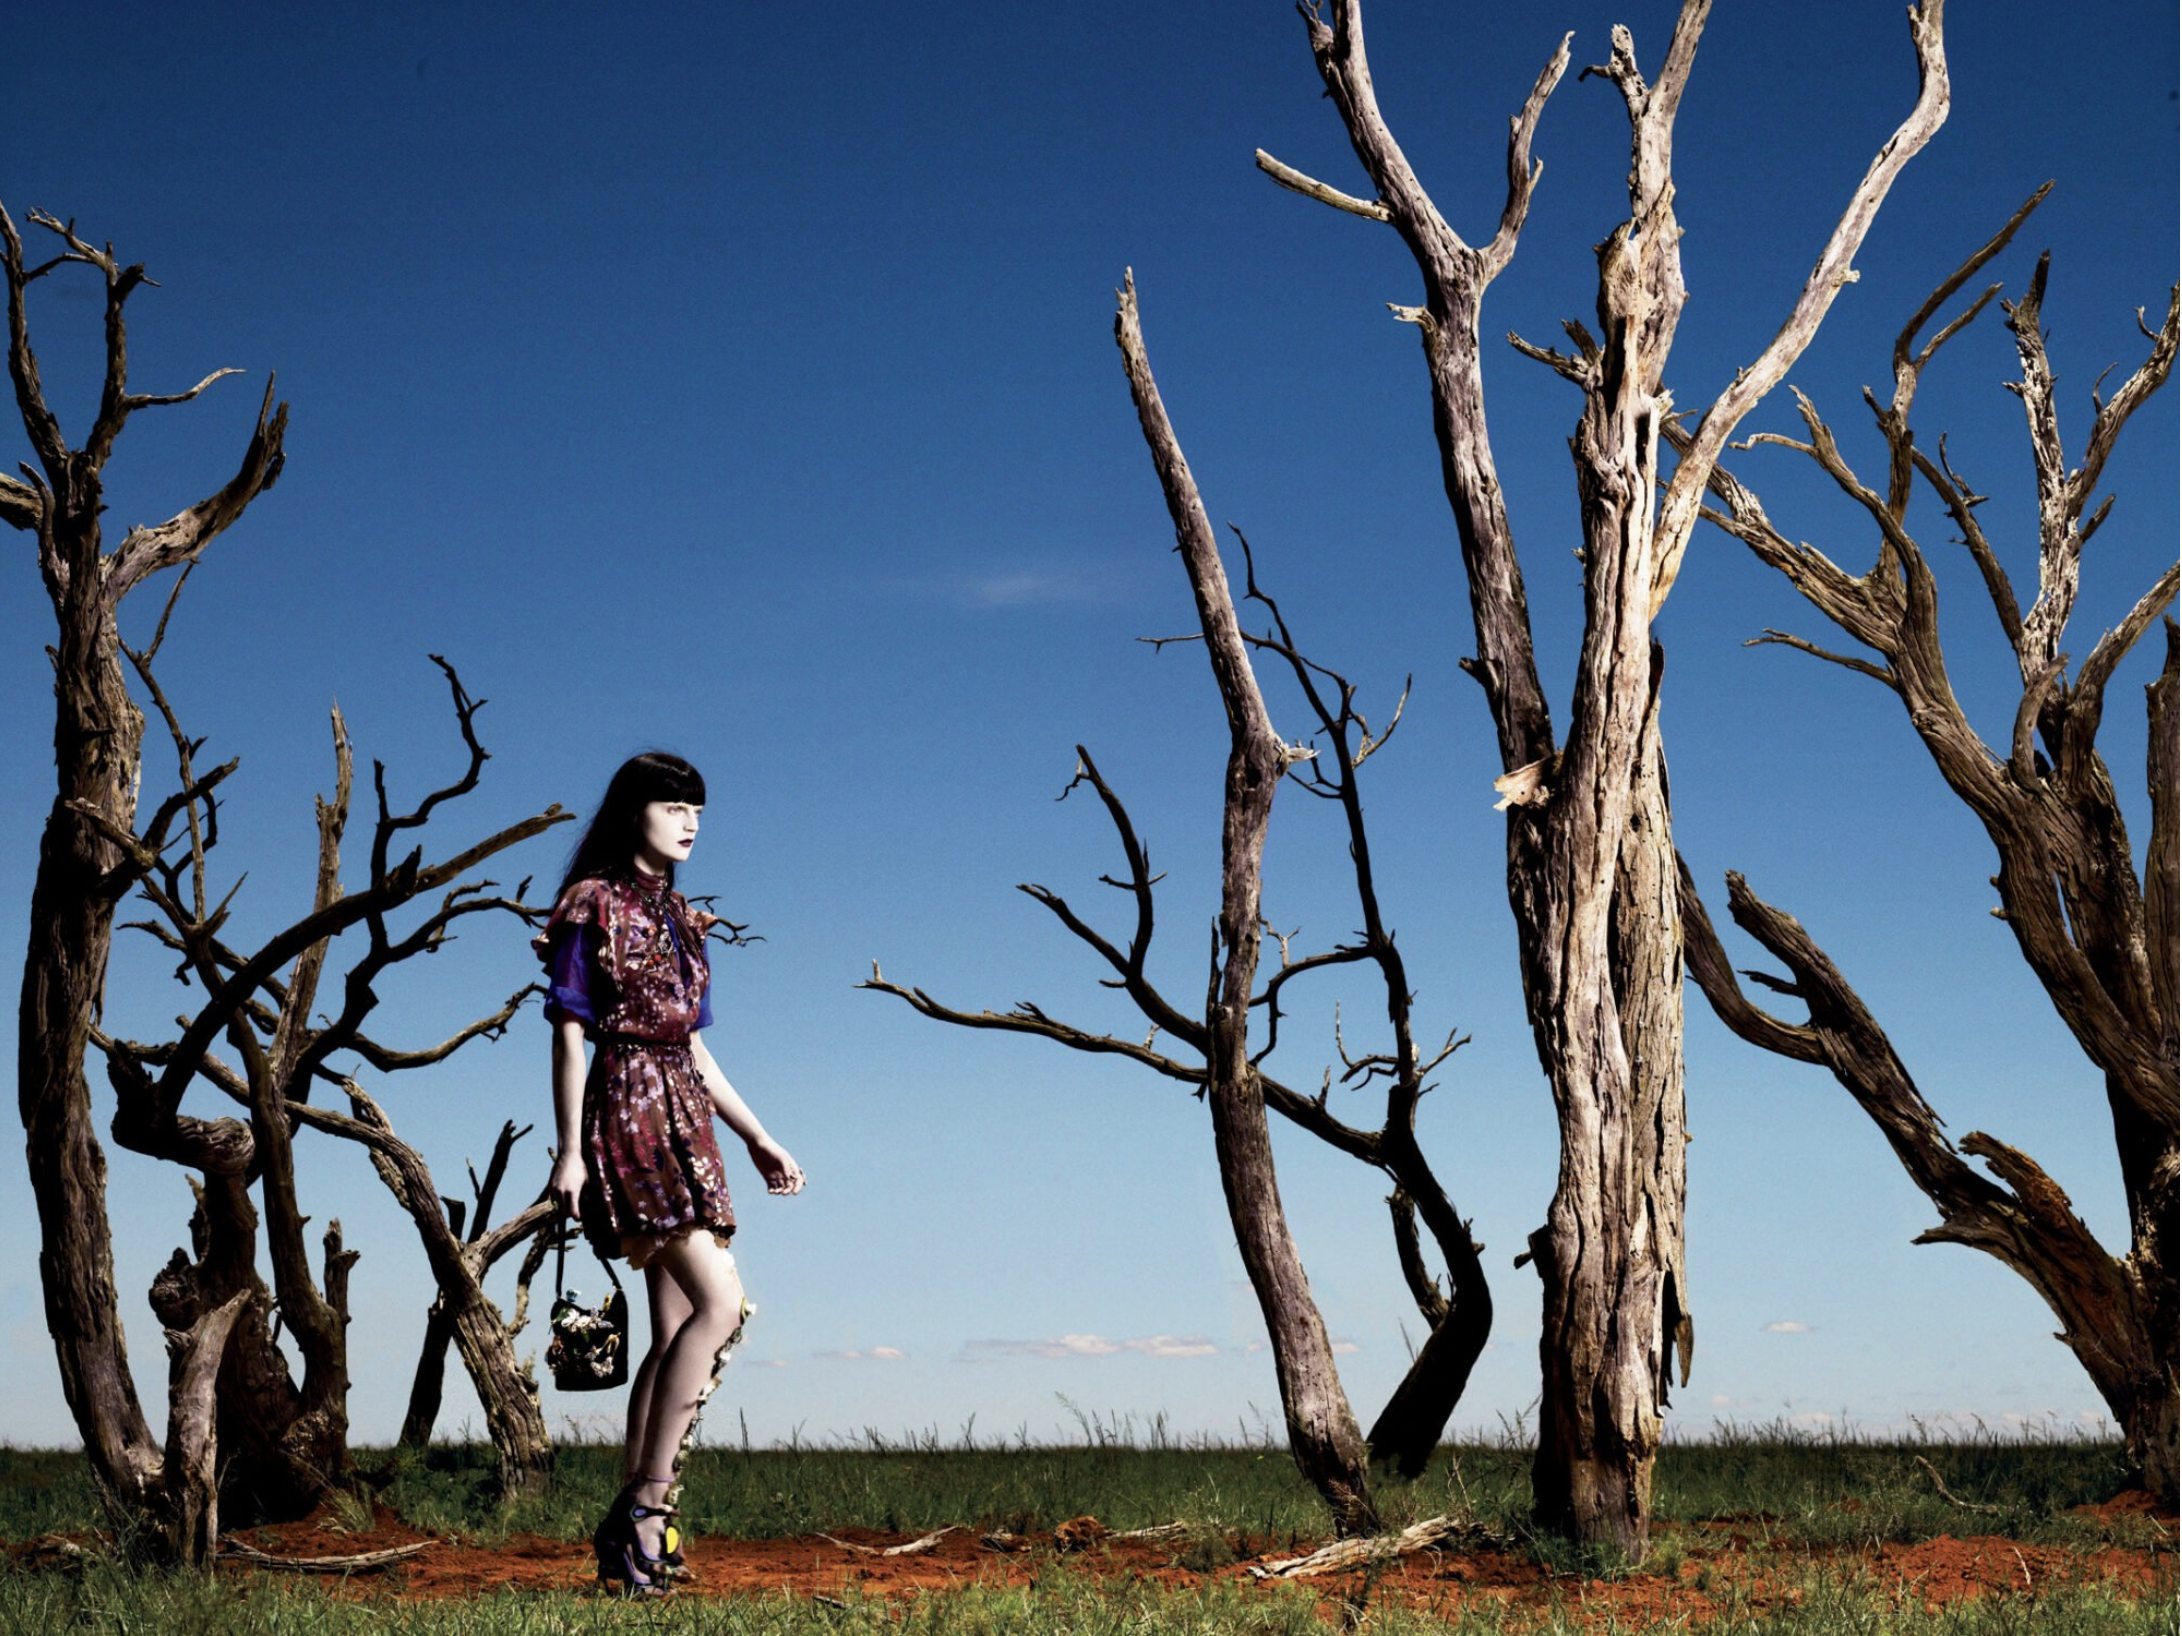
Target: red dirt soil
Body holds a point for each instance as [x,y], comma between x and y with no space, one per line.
[1719,1566]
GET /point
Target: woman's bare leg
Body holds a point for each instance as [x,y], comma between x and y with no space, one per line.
[700,1268]
[670,1310]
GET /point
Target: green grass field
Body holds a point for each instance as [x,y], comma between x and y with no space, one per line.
[1815,1503]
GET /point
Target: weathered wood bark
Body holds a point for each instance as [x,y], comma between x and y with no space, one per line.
[2101,944]
[468,1222]
[1322,1431]
[1590,872]
[482,1337]
[97,740]
[192,1501]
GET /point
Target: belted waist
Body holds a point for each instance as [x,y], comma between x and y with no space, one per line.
[679,1043]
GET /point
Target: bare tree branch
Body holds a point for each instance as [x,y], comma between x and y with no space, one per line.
[1296,182]
[146,550]
[2063,493]
[1522,174]
[1028,1019]
[39,422]
[1834,269]
[1961,504]
[1862,667]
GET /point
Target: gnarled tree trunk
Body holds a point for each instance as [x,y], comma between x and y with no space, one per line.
[1590,850]
[98,735]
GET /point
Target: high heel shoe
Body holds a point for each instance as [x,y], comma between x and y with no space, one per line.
[624,1567]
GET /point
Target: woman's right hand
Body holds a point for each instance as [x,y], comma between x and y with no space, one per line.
[567,1184]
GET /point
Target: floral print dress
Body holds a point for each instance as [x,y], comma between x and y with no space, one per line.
[625,956]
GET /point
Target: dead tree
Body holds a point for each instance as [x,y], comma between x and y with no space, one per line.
[2101,942]
[98,737]
[263,1004]
[1590,854]
[1230,1075]
[467,1222]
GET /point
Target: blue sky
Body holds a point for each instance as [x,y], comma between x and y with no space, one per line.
[740,380]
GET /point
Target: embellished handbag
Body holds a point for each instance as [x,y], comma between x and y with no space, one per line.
[589,1351]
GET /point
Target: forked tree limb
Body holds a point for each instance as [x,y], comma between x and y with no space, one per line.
[2068,886]
[1455,278]
[2064,492]
[144,551]
[1029,1019]
[2088,697]
[1835,268]
[1910,362]
[39,422]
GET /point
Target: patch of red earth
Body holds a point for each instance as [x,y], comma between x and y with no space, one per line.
[1718,1570]
[2132,1502]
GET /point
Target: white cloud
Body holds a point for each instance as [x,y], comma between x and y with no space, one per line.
[1342,1349]
[1052,583]
[1019,588]
[876,1354]
[1788,1326]
[1173,1346]
[1097,1346]
[1060,1346]
[1814,1421]
[1720,1400]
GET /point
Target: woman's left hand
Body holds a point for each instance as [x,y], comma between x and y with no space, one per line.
[782,1174]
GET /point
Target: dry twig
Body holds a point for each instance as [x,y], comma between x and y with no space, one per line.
[362,1562]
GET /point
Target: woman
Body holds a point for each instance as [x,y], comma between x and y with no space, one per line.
[637,1160]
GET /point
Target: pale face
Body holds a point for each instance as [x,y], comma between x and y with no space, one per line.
[665,833]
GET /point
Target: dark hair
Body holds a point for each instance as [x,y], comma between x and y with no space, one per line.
[609,845]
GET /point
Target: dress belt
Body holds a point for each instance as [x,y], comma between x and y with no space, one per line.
[677,1044]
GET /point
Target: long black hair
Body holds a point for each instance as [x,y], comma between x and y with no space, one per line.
[609,845]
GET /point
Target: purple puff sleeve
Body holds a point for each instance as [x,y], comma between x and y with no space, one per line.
[569,964]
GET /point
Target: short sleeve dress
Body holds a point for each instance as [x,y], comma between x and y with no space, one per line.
[625,956]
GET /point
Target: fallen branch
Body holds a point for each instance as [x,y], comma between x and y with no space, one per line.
[1932,1471]
[1163,1530]
[58,1546]
[363,1562]
[925,1543]
[1354,1553]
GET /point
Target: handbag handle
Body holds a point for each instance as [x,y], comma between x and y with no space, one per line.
[560,1266]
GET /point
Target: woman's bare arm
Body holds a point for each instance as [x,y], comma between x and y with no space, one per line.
[568,1075]
[782,1174]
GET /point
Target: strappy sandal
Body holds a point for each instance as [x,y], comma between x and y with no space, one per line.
[669,1561]
[623,1566]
